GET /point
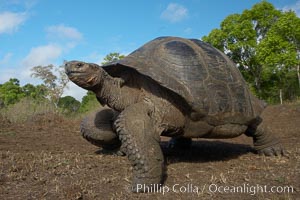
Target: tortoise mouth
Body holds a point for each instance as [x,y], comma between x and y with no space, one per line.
[73,72]
[77,77]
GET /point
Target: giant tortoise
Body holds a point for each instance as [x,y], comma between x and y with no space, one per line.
[174,87]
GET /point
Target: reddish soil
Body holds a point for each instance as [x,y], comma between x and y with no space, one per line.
[47,159]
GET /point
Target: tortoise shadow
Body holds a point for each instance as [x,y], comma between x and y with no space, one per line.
[206,151]
[200,151]
[114,152]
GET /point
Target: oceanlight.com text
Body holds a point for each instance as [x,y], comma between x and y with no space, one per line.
[244,188]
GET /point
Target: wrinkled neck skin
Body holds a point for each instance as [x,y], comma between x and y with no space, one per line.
[111,93]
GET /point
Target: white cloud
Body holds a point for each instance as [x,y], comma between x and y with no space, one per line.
[66,38]
[42,55]
[6,74]
[174,13]
[5,58]
[63,32]
[75,91]
[21,73]
[10,21]
[294,7]
[94,57]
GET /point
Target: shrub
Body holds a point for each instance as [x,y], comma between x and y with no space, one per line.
[25,110]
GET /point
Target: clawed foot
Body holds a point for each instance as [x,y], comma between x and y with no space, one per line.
[275,150]
[267,144]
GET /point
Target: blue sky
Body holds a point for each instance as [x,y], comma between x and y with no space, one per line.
[42,32]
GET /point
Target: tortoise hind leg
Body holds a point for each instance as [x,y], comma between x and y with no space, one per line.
[264,142]
[140,141]
[97,129]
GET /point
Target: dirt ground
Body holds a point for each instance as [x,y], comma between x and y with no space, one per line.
[48,159]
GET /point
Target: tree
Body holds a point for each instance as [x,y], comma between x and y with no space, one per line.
[111,57]
[280,52]
[68,104]
[262,42]
[11,92]
[55,84]
[89,101]
[37,92]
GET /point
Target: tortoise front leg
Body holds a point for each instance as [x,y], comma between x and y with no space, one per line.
[141,144]
[97,129]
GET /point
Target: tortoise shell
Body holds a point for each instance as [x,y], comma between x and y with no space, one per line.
[204,76]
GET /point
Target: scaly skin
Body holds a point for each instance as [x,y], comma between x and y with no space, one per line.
[141,144]
[264,142]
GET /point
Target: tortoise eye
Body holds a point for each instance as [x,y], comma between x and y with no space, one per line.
[79,64]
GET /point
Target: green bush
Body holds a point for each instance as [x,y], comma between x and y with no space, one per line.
[89,103]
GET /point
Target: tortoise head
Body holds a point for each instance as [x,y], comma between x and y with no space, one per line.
[85,75]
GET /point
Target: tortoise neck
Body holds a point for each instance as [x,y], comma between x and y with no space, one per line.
[112,93]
